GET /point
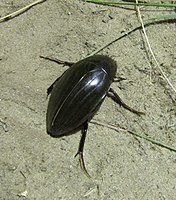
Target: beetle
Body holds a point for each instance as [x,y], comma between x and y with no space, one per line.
[77,95]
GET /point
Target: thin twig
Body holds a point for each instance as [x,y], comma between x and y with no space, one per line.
[20,11]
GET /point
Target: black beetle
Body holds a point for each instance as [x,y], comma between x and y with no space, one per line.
[78,94]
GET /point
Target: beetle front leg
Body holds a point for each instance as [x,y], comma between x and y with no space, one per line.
[58,61]
[81,148]
[115,97]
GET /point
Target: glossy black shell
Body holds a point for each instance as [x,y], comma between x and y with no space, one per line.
[78,94]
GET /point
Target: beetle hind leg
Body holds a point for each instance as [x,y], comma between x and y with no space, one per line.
[81,148]
[115,97]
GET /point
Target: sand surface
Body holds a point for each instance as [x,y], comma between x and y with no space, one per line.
[37,166]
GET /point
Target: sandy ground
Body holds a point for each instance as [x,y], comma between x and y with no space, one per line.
[121,165]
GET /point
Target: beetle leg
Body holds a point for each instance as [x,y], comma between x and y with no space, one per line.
[58,61]
[118,79]
[81,148]
[115,97]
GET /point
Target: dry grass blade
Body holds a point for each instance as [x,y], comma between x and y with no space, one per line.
[151,51]
[113,127]
[20,11]
[130,3]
